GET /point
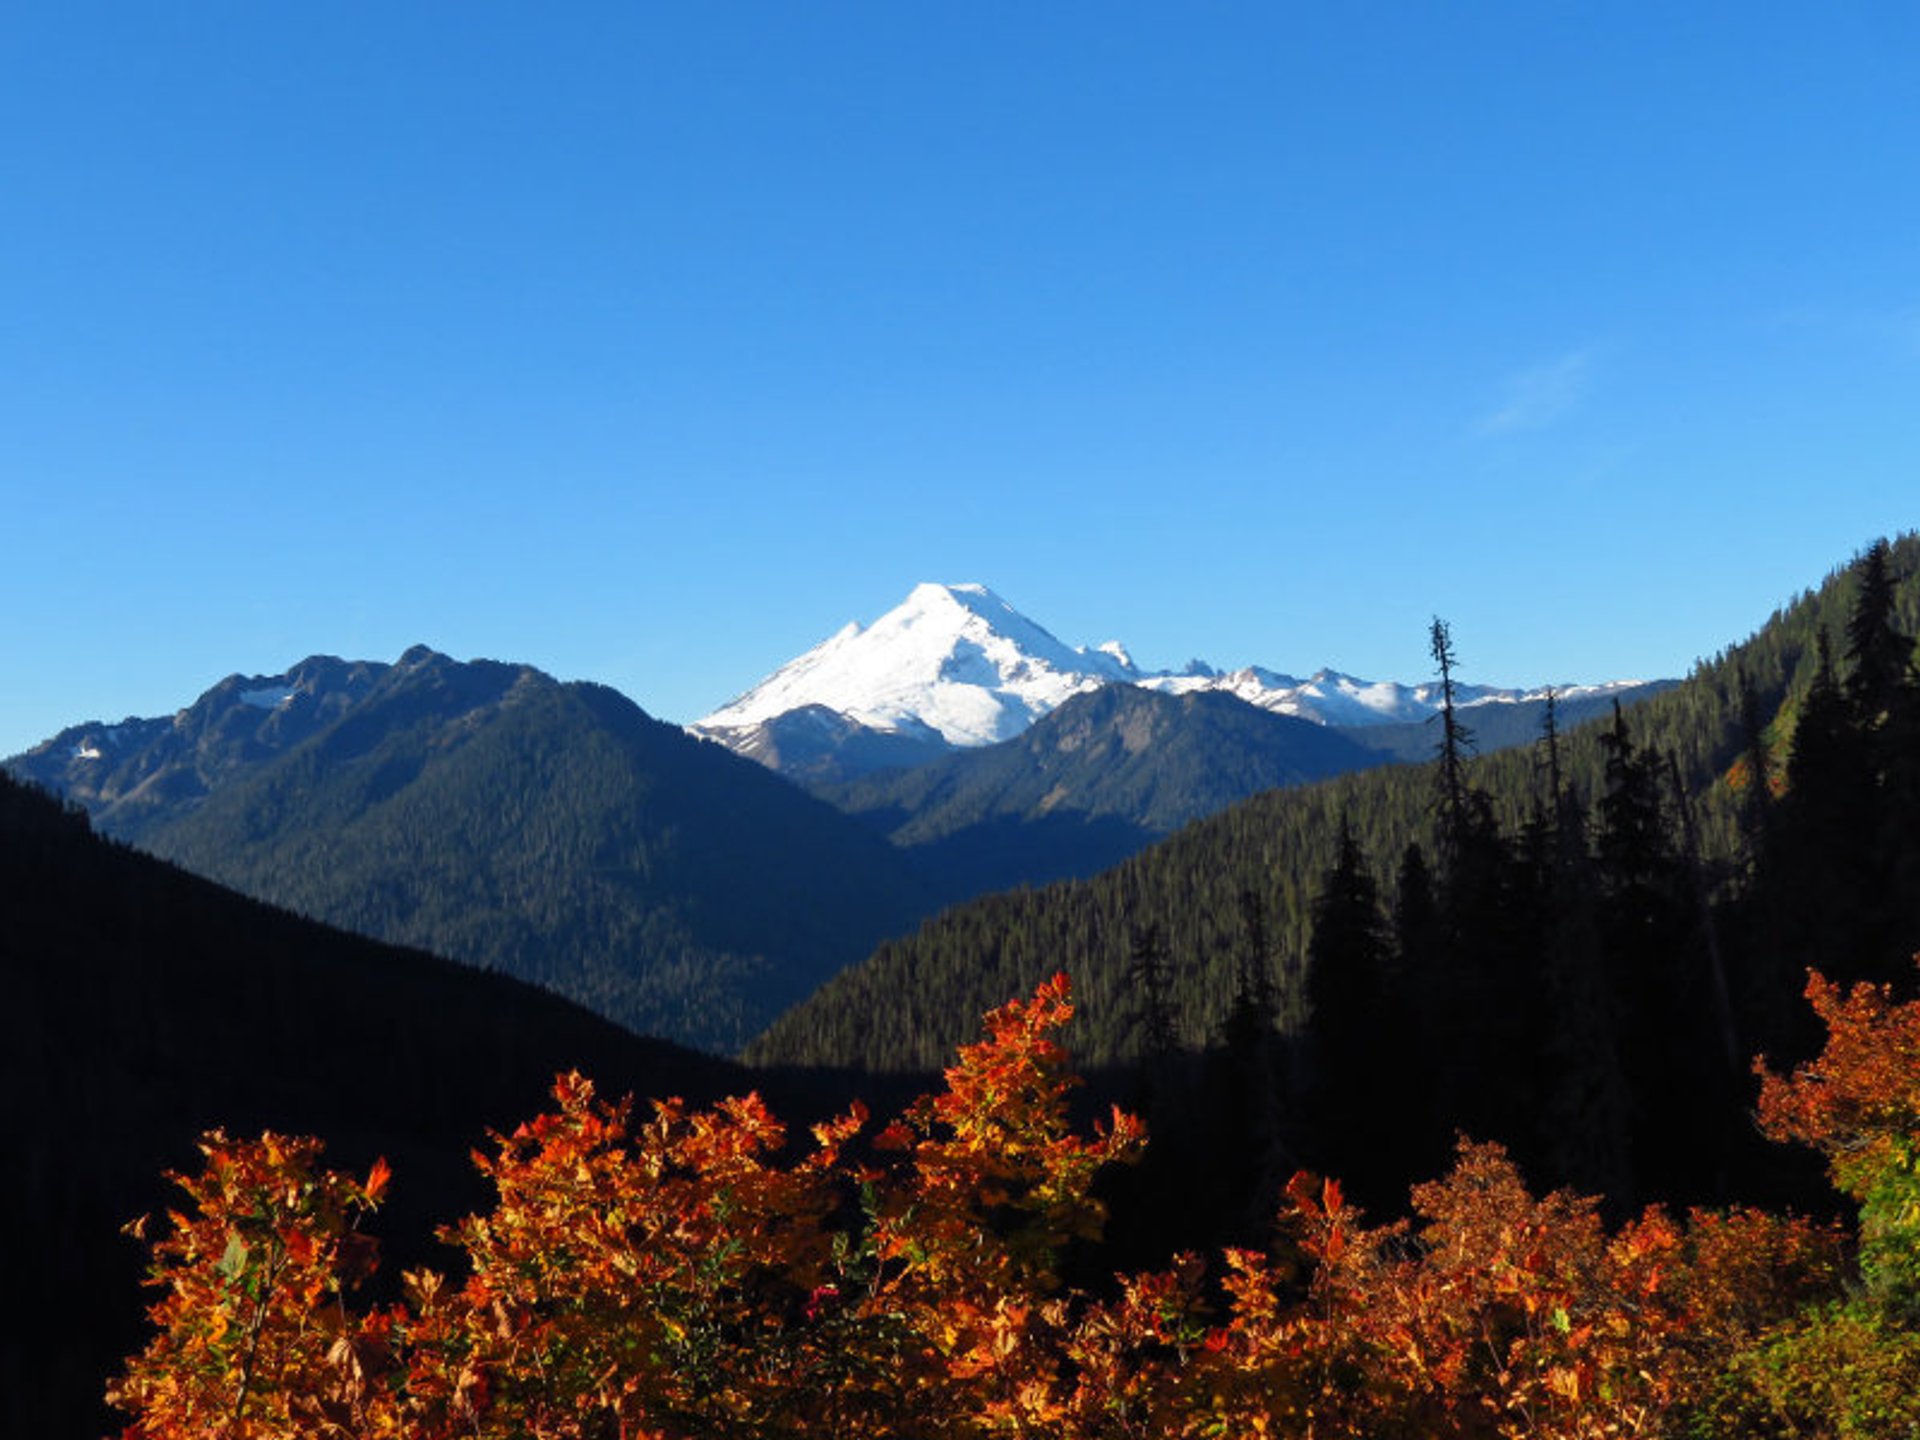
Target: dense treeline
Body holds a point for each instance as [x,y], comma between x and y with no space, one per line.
[143,1005]
[1570,948]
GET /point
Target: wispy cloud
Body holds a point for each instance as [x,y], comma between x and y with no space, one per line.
[1541,397]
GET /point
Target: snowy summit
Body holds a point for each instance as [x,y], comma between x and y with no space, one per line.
[955,666]
[953,659]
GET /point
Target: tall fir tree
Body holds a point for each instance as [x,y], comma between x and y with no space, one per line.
[1828,851]
[1149,976]
[1884,695]
[1360,1033]
[1248,1080]
[1456,740]
[1879,657]
[1668,1045]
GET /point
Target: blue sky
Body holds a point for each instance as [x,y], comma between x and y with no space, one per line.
[651,343]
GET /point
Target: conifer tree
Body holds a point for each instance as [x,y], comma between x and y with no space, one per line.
[1669,1045]
[1879,657]
[1455,741]
[1756,804]
[1883,693]
[1360,1036]
[1484,988]
[1249,1077]
[1419,950]
[1151,982]
[1829,841]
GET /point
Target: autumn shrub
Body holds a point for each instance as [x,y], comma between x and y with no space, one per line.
[1848,1367]
[256,1337]
[683,1272]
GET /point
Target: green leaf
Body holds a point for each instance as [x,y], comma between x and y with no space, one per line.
[234,1259]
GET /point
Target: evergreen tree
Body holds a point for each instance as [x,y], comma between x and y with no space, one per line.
[1456,739]
[1249,1112]
[1828,834]
[1151,982]
[1883,693]
[1585,1099]
[1648,928]
[1416,918]
[1256,1006]
[1420,977]
[1756,804]
[1719,994]
[1879,657]
[1550,747]
[1361,1043]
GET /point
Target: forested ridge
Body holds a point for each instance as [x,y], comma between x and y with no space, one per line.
[1089,784]
[554,832]
[906,1006]
[1571,948]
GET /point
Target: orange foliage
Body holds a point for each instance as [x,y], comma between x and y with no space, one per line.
[256,1337]
[694,1274]
[1859,1100]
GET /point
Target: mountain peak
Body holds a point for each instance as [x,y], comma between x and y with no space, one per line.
[958,662]
[954,658]
[968,594]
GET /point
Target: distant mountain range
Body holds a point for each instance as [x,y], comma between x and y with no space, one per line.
[554,832]
[492,814]
[956,667]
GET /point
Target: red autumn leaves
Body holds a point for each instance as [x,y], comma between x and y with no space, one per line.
[690,1273]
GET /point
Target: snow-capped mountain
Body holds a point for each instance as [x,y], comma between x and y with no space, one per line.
[1329,698]
[957,666]
[954,660]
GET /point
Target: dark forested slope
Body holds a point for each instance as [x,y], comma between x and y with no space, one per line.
[144,1005]
[912,1000]
[1090,783]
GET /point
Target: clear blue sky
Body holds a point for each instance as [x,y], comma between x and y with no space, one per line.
[651,343]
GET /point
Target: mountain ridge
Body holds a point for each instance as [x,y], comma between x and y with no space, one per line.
[957,666]
[1107,772]
[1276,848]
[487,812]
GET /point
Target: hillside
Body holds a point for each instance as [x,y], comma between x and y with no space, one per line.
[906,1006]
[492,814]
[145,1005]
[1090,783]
